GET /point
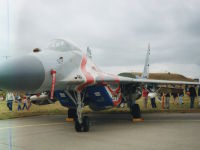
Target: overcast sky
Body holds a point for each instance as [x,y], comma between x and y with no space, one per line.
[118,31]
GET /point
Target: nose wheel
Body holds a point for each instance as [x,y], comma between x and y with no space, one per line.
[84,126]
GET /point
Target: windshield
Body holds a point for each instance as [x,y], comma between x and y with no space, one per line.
[62,45]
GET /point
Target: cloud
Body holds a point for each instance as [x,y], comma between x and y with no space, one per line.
[117,31]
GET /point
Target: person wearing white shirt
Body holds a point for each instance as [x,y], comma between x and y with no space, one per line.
[10,98]
[152,96]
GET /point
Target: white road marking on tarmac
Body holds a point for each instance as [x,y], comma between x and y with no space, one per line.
[32,125]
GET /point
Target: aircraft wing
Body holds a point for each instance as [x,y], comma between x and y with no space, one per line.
[127,80]
[165,82]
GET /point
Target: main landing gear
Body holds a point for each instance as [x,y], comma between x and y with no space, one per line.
[135,112]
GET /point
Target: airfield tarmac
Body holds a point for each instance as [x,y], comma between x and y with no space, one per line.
[108,131]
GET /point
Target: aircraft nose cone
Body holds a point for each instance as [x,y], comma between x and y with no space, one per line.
[21,74]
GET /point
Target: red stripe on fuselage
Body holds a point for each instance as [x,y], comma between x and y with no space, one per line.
[117,102]
[115,91]
[88,76]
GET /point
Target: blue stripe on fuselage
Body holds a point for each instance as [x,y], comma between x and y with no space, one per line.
[64,99]
[99,96]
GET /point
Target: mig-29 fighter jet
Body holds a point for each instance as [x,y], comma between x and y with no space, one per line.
[69,76]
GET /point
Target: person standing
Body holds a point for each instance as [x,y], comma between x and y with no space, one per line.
[10,98]
[193,94]
[153,101]
[163,101]
[199,96]
[181,94]
[145,97]
[152,96]
[28,103]
[25,103]
[18,98]
[167,100]
[175,95]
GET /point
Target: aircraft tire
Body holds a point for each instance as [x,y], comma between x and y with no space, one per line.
[78,126]
[135,111]
[86,124]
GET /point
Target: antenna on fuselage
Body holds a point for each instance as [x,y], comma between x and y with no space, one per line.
[145,73]
[89,53]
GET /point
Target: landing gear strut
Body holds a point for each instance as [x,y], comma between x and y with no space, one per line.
[135,111]
[81,123]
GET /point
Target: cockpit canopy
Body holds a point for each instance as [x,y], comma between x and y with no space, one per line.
[62,45]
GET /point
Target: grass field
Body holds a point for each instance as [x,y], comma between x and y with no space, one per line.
[34,110]
[55,109]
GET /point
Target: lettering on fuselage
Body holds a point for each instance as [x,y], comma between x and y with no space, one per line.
[78,77]
[62,95]
[97,94]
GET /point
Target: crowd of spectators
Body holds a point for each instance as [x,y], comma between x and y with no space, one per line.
[175,94]
[23,101]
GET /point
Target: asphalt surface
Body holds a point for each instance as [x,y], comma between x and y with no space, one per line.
[108,131]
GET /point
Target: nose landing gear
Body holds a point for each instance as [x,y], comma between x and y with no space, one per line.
[84,126]
[81,122]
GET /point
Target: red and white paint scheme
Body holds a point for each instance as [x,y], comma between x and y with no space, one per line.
[71,77]
[90,72]
[53,73]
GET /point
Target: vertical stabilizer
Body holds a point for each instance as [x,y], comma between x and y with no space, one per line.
[145,73]
[89,53]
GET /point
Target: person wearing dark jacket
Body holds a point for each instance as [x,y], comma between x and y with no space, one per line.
[174,95]
[199,95]
[193,94]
